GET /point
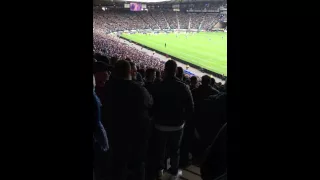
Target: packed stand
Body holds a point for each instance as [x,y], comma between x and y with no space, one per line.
[146,16]
[111,47]
[184,19]
[159,17]
[196,19]
[171,18]
[209,21]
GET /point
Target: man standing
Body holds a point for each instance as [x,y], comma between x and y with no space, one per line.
[165,45]
[173,106]
[126,117]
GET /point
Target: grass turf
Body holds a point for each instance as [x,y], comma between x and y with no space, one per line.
[205,49]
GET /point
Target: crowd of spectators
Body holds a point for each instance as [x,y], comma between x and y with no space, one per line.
[184,19]
[159,17]
[196,19]
[140,125]
[146,17]
[209,21]
[147,111]
[112,20]
[111,47]
[171,18]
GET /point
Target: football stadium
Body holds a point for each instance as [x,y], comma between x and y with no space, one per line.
[160,89]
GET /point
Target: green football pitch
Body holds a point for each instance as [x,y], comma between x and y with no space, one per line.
[206,49]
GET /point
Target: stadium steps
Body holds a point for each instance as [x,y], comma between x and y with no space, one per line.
[202,21]
[189,26]
[190,173]
[155,20]
[178,20]
[166,20]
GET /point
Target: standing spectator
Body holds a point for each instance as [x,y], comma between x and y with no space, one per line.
[194,82]
[149,81]
[127,120]
[100,140]
[173,106]
[180,74]
[136,76]
[100,70]
[212,115]
[204,90]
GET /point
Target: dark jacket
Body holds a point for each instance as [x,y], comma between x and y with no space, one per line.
[211,115]
[215,164]
[150,86]
[99,133]
[203,92]
[125,112]
[173,103]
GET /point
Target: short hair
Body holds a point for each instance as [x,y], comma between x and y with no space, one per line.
[194,79]
[122,69]
[100,66]
[170,67]
[213,81]
[179,72]
[205,80]
[150,72]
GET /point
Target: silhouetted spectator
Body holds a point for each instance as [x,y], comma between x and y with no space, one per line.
[173,106]
[204,90]
[100,70]
[180,74]
[126,119]
[193,83]
[212,114]
[100,140]
[149,80]
[136,76]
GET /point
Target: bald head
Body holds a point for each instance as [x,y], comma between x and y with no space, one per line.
[170,68]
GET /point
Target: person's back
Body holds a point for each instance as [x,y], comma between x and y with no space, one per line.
[211,116]
[125,114]
[203,91]
[172,101]
[173,106]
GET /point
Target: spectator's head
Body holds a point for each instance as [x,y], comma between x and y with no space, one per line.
[213,82]
[180,73]
[170,68]
[100,70]
[150,75]
[194,81]
[133,70]
[122,70]
[205,80]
